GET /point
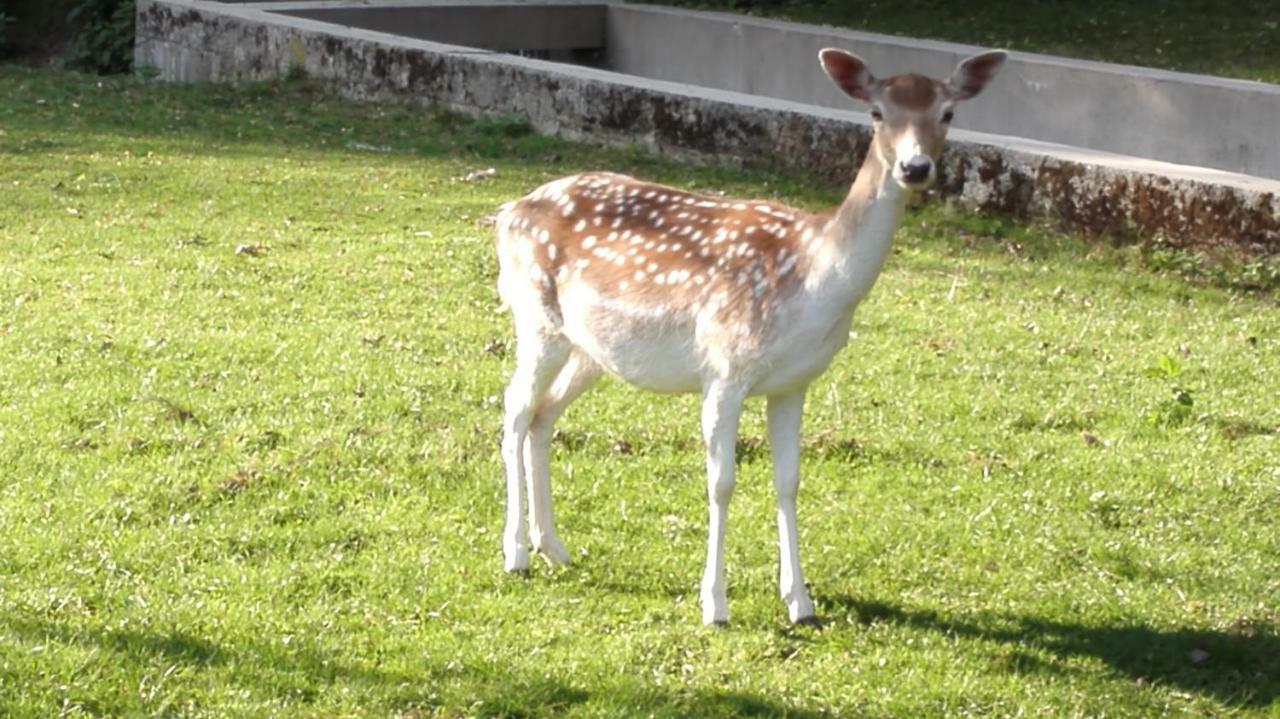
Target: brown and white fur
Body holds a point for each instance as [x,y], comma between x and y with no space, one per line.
[678,292]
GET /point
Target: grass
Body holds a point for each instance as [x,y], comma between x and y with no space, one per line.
[1240,39]
[250,362]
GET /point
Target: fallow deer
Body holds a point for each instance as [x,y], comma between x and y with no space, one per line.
[680,292]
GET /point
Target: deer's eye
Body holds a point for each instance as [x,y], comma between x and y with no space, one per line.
[876,114]
[948,115]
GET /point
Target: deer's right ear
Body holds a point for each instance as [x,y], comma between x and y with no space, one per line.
[848,72]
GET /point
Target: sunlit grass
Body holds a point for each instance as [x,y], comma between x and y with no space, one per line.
[250,356]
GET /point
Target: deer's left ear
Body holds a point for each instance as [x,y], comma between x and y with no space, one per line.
[973,74]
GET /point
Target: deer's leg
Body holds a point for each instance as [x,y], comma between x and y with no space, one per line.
[539,357]
[577,376]
[785,412]
[721,409]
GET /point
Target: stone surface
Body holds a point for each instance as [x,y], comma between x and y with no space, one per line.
[191,40]
[1223,123]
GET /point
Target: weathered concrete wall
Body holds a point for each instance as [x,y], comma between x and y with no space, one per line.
[489,26]
[1226,124]
[190,40]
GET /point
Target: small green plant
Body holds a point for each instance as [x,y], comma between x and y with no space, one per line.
[1262,273]
[104,41]
[1176,409]
[509,124]
[1226,268]
[1162,257]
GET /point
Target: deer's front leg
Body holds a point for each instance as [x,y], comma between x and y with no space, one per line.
[721,408]
[785,412]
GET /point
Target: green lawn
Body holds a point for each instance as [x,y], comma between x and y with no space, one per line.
[1238,39]
[250,361]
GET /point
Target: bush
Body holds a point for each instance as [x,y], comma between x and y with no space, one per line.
[104,41]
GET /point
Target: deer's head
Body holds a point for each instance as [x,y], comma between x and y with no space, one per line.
[911,113]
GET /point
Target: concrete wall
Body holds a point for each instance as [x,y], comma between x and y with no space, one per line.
[1196,120]
[505,26]
[1088,190]
[1225,124]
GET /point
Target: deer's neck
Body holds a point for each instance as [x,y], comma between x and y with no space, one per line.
[859,234]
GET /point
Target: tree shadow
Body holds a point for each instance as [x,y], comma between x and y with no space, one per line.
[1240,668]
[294,677]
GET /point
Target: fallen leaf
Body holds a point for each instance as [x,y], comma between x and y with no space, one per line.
[484,174]
[367,147]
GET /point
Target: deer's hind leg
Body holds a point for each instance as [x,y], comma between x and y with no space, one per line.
[576,377]
[541,352]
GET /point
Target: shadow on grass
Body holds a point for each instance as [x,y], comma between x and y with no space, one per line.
[298,676]
[1238,669]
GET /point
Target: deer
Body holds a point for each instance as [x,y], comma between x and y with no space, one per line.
[679,292]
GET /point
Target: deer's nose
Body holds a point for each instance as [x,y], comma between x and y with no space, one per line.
[917,169]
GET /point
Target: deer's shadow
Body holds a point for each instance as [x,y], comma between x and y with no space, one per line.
[1239,668]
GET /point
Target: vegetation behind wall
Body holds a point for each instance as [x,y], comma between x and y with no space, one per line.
[92,35]
[104,41]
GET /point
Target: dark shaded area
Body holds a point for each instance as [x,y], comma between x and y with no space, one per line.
[39,29]
[1240,668]
[92,35]
[292,676]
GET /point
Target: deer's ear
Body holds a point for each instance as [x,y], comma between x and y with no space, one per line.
[972,75]
[848,72]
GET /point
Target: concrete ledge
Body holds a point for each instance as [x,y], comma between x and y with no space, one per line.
[192,40]
[490,26]
[1222,123]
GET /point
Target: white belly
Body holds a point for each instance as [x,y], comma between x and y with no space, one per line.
[802,352]
[648,348]
[659,350]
